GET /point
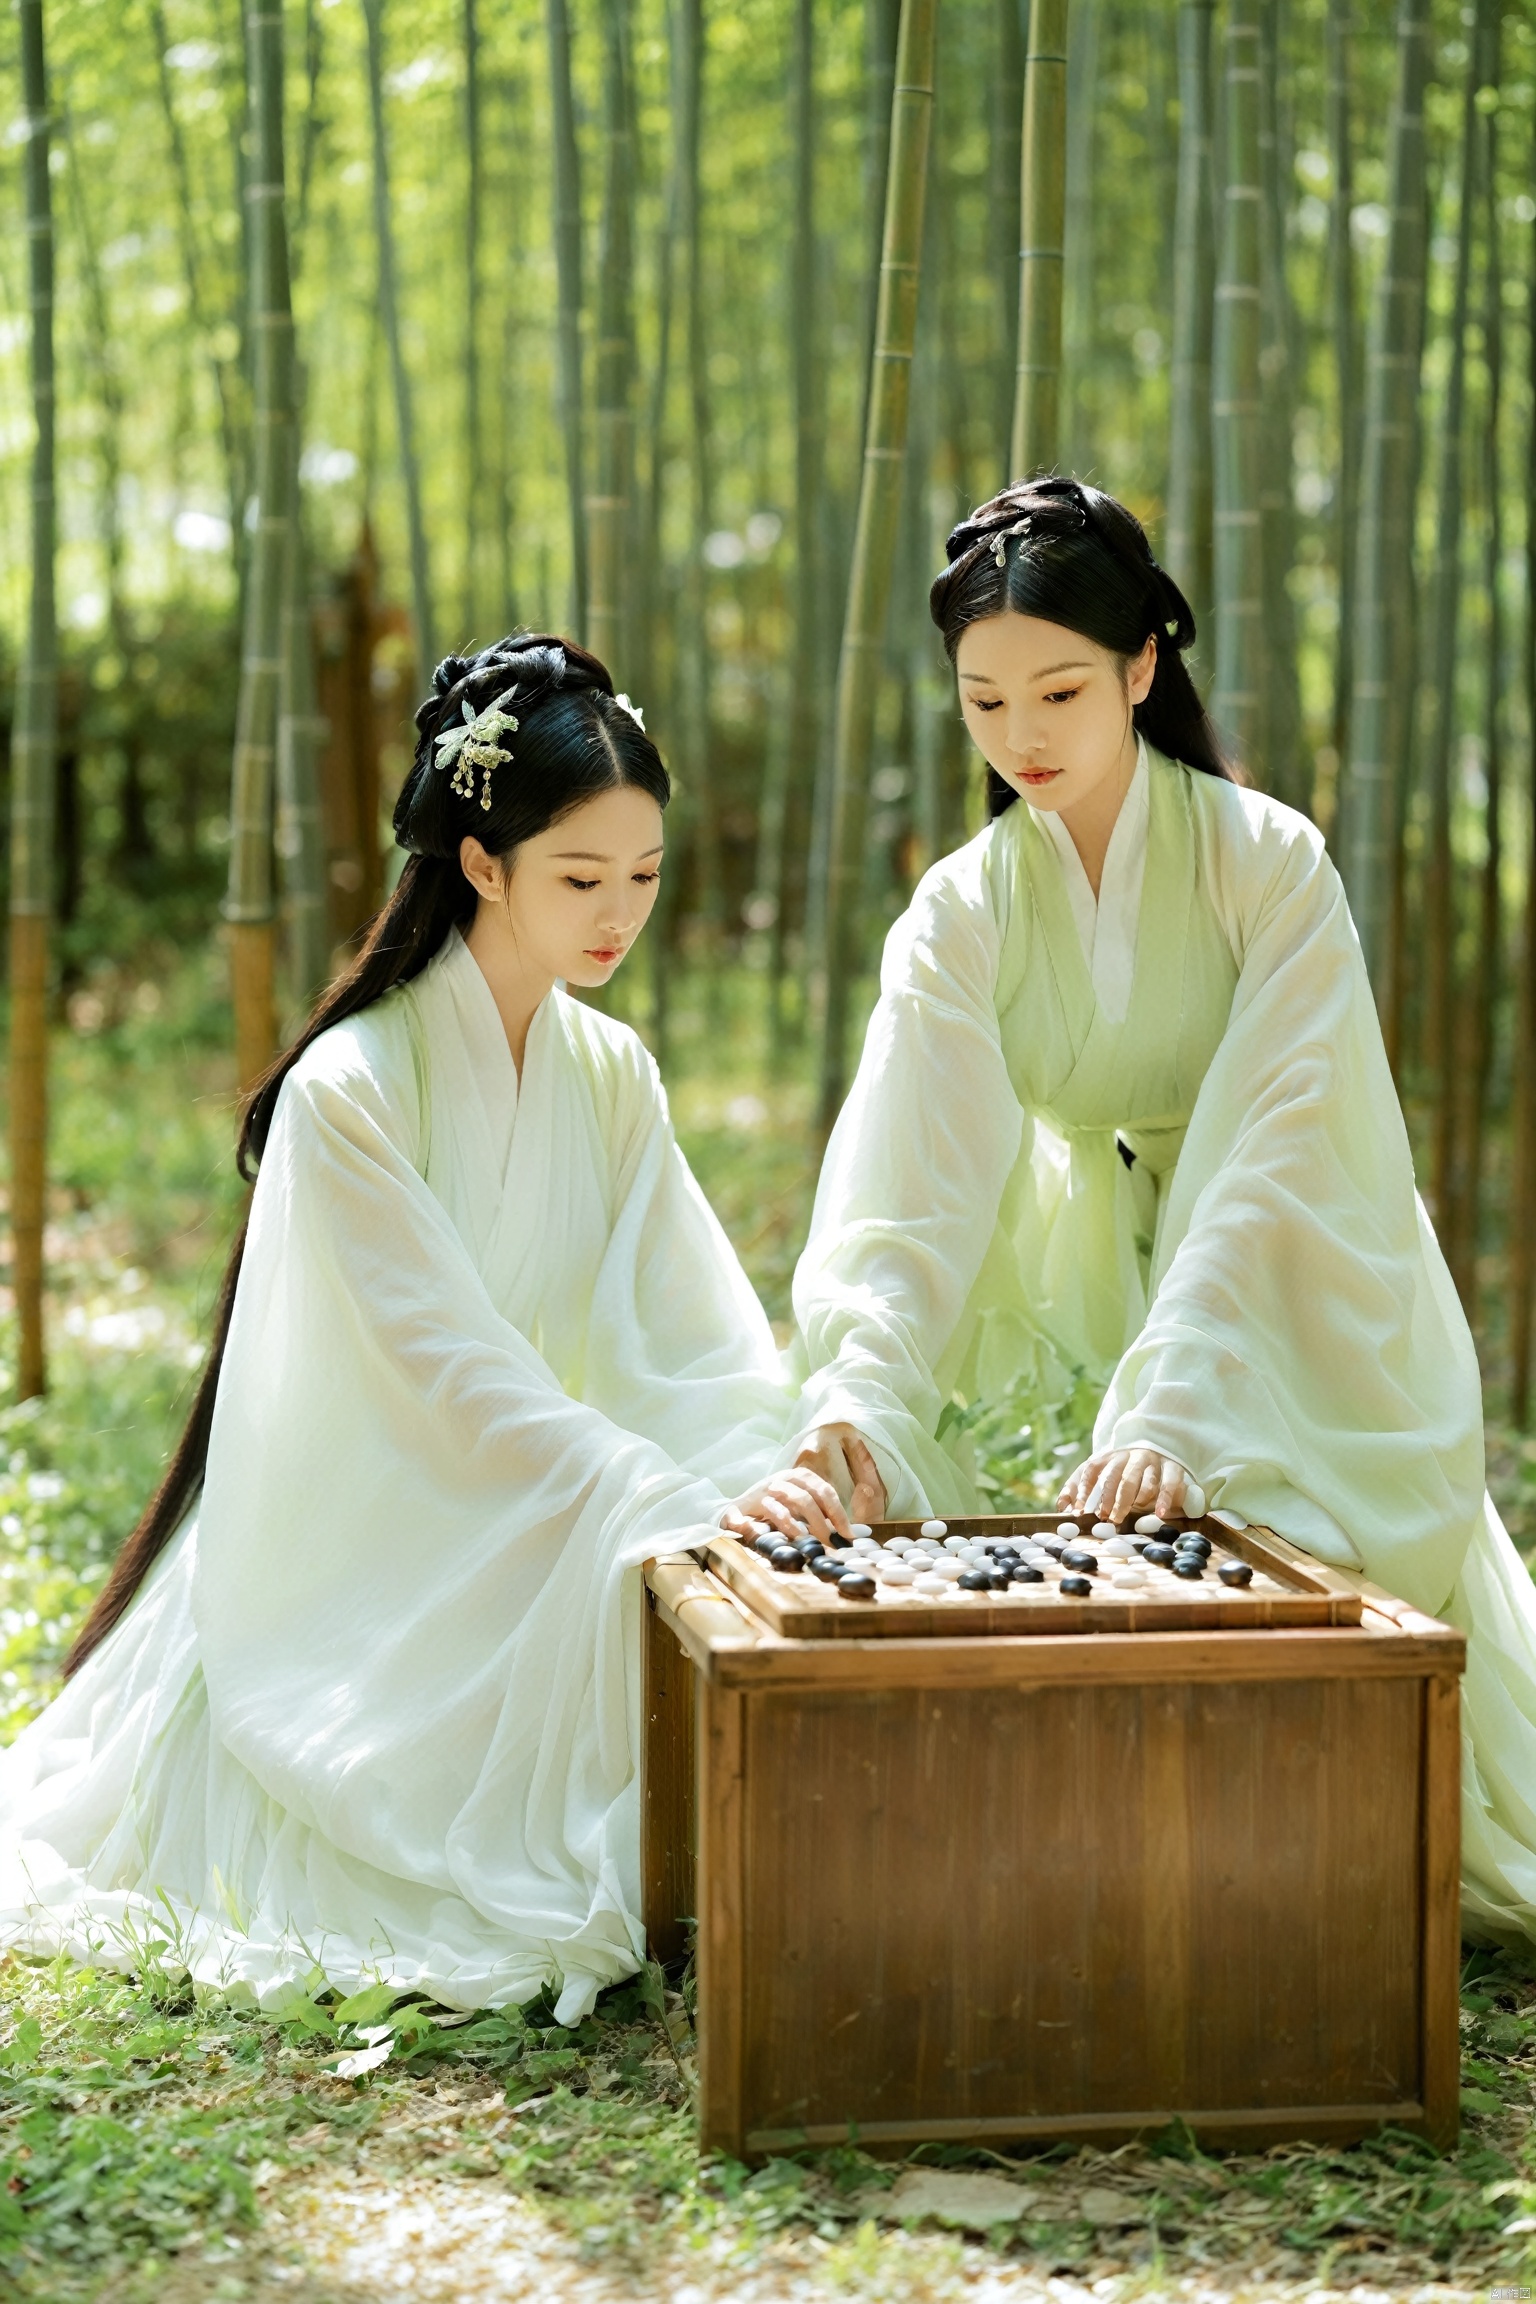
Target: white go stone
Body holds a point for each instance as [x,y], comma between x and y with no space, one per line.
[1128,1578]
[896,1572]
[1065,1528]
[957,1543]
[1194,1500]
[934,1528]
[858,1528]
[899,1545]
[1116,1548]
[1149,1525]
[1105,1528]
[930,1547]
[866,1545]
[929,1583]
[950,1569]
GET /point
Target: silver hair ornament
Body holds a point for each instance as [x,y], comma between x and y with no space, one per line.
[1001,540]
[476,745]
[634,712]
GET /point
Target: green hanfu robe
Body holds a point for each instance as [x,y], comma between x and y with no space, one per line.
[1258,1291]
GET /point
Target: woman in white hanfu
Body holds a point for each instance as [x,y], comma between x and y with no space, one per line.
[360,1698]
[1124,1107]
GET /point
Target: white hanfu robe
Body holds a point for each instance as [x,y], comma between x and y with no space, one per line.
[1259,1295]
[375,1713]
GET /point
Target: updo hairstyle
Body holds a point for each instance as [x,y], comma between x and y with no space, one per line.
[1069,554]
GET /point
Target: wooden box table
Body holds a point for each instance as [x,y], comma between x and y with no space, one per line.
[1000,1870]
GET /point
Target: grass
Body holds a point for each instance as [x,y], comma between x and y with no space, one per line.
[156,2143]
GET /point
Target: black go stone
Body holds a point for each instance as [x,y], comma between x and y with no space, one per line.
[826,1568]
[1190,1566]
[1053,1545]
[1200,1544]
[1076,1587]
[1086,1563]
[1160,1555]
[976,1580]
[810,1548]
[787,1560]
[766,1545]
[1235,1572]
[1024,1574]
[856,1586]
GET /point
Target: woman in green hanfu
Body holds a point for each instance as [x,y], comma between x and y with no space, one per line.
[1124,1108]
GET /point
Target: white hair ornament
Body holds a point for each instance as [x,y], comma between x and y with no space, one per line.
[476,745]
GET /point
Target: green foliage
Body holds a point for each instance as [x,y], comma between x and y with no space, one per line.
[1022,1446]
[141,2123]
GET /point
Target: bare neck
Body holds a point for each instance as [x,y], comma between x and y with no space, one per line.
[1092,820]
[517,989]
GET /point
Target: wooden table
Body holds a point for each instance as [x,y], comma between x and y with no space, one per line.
[1018,1886]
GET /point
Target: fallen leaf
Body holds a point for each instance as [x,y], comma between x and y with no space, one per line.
[364,2060]
[970,2203]
[1104,2209]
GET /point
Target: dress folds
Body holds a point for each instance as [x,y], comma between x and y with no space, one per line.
[375,1714]
[1257,1292]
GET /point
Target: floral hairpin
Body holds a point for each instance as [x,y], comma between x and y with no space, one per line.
[475,746]
[633,710]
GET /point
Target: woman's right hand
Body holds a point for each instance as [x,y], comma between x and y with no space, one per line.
[806,1500]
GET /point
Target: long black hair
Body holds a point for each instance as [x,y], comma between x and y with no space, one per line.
[572,740]
[1060,550]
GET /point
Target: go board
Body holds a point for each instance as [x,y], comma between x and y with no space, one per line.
[1033,1573]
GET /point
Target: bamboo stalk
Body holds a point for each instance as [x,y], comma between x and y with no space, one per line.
[474,458]
[1237,698]
[874,548]
[1346,355]
[1079,370]
[695,654]
[1384,566]
[1522,1213]
[248,904]
[567,216]
[1280,740]
[805,716]
[608,506]
[309,141]
[1189,544]
[1036,440]
[1487,977]
[1005,168]
[389,316]
[882,24]
[225,383]
[301,732]
[34,747]
[1440,890]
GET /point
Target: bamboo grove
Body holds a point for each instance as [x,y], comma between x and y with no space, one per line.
[690,326]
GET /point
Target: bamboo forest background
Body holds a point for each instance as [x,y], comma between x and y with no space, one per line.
[584,299]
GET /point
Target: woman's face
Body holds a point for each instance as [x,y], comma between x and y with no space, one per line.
[1049,709]
[578,895]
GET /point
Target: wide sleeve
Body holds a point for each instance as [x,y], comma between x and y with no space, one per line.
[679,1347]
[911,1186]
[413,1595]
[1305,1354]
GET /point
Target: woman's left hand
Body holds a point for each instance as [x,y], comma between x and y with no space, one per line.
[1130,1481]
